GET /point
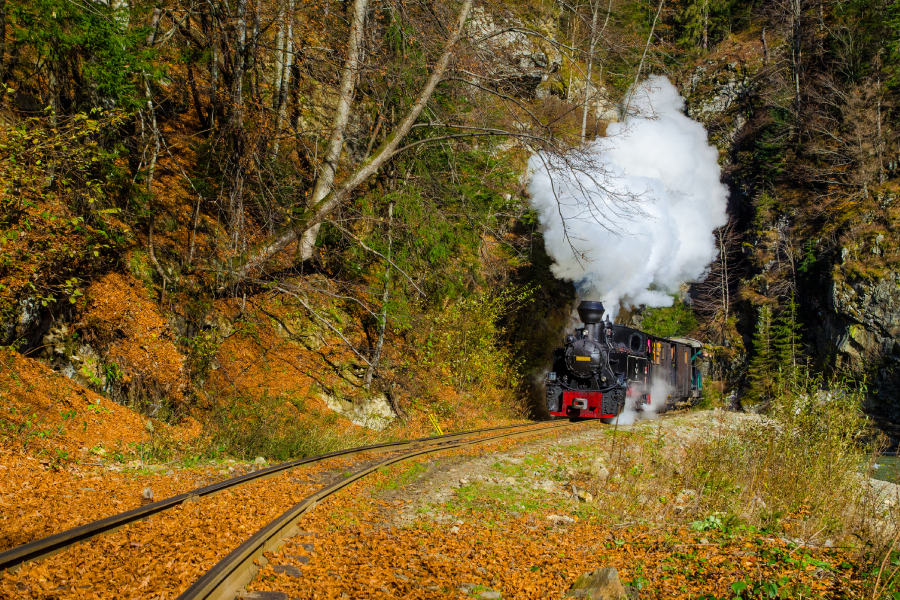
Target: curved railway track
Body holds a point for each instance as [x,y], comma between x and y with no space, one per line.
[239,567]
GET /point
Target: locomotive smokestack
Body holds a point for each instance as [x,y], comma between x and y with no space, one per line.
[591,313]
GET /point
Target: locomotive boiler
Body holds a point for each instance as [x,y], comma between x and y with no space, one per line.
[603,366]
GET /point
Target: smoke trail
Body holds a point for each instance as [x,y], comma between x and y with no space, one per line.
[636,410]
[630,217]
[659,391]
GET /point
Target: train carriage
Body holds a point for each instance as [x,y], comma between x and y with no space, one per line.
[604,366]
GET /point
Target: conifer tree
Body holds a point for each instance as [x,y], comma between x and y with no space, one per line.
[763,366]
[786,342]
[702,22]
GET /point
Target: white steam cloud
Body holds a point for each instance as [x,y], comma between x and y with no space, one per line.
[636,410]
[630,217]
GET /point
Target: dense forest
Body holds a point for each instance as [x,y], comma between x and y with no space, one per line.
[248,207]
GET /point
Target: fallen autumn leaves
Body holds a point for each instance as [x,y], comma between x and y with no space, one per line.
[480,539]
[483,541]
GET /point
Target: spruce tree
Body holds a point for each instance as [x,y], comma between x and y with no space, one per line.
[786,342]
[763,365]
[702,23]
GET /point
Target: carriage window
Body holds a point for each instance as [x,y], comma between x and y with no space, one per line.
[635,342]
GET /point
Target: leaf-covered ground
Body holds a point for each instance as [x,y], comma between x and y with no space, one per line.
[521,523]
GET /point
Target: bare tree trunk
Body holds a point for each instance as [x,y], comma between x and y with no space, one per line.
[284,83]
[726,293]
[151,170]
[279,60]
[587,89]
[722,267]
[587,83]
[235,168]
[325,181]
[214,84]
[317,212]
[880,145]
[572,25]
[705,24]
[765,47]
[643,57]
[152,253]
[382,318]
[796,48]
[154,26]
[237,84]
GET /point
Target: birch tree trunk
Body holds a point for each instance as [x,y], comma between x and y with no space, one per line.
[587,83]
[594,38]
[279,60]
[283,84]
[325,180]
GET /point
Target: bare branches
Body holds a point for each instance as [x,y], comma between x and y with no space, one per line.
[714,295]
[379,254]
[332,197]
[293,292]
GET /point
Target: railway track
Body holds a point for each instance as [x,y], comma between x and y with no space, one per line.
[237,568]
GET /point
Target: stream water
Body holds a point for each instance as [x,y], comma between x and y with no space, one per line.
[888,469]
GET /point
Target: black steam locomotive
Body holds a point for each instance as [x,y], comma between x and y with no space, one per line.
[604,365]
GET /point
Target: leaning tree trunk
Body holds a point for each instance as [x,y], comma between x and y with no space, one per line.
[332,197]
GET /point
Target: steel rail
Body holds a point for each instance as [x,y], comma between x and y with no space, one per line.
[231,574]
[12,560]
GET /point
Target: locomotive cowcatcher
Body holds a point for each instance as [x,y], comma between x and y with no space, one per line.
[603,365]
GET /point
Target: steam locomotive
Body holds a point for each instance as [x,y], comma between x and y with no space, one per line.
[603,366]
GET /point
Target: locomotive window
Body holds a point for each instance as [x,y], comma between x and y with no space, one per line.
[635,342]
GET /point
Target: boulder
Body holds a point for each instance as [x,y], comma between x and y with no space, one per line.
[598,469]
[600,584]
[519,63]
[374,412]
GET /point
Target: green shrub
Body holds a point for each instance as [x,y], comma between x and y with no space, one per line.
[802,459]
[465,341]
[670,321]
[249,426]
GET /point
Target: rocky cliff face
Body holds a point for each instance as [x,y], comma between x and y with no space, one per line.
[860,333]
[852,310]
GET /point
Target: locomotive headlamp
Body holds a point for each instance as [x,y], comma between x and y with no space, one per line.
[570,339]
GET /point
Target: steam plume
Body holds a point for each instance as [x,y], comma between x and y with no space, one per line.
[630,217]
